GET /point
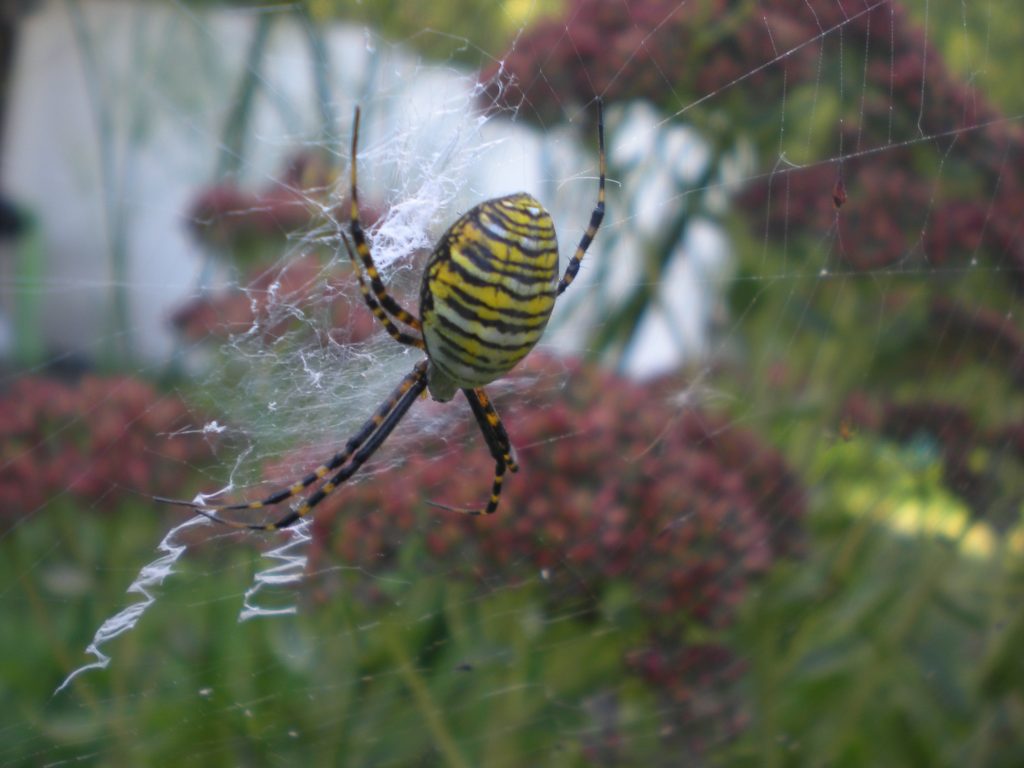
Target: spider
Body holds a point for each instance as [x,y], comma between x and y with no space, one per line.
[486,294]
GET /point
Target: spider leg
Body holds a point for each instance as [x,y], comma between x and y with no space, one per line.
[397,333]
[492,428]
[595,218]
[380,292]
[501,450]
[357,451]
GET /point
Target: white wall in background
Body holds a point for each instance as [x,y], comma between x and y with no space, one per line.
[118,135]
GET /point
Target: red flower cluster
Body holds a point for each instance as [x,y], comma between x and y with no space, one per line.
[229,216]
[619,485]
[98,440]
[301,282]
[250,227]
[697,679]
[890,207]
[617,49]
[744,56]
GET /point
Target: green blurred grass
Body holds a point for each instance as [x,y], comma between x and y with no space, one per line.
[883,646]
[879,647]
[430,668]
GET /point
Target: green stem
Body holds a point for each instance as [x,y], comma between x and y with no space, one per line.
[615,334]
[414,682]
[321,80]
[30,273]
[114,214]
[612,337]
[237,124]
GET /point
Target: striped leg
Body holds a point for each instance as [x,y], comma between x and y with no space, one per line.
[363,248]
[492,502]
[396,333]
[356,452]
[501,450]
[492,428]
[595,218]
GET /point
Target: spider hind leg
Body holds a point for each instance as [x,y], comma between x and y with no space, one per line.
[500,446]
[347,462]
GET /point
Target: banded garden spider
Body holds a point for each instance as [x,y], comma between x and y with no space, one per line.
[486,294]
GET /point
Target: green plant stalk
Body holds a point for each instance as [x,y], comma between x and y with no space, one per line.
[60,650]
[611,338]
[511,707]
[908,616]
[768,680]
[320,60]
[236,127]
[343,702]
[1004,604]
[29,271]
[421,693]
[102,106]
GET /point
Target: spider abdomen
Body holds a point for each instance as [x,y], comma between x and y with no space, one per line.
[488,291]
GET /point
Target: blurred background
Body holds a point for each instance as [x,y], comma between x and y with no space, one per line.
[770,502]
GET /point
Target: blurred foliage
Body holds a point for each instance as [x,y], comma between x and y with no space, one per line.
[980,42]
[468,31]
[456,676]
[680,511]
[872,648]
[90,441]
[434,614]
[900,269]
[887,648]
[878,295]
[657,595]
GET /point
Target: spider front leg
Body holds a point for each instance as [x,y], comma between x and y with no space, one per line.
[595,218]
[380,292]
[402,337]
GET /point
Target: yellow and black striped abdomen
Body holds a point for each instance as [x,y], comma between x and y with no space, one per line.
[487,293]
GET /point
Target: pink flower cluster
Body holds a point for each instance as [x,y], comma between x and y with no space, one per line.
[620,485]
[97,440]
[250,228]
[735,57]
[696,679]
[617,482]
[301,282]
[229,216]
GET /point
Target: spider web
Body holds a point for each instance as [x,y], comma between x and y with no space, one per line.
[771,444]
